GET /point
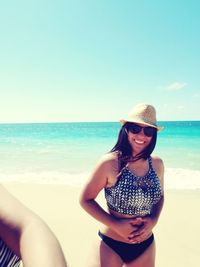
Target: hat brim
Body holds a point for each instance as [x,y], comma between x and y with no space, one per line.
[159,128]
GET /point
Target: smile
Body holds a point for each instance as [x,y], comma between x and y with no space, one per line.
[139,141]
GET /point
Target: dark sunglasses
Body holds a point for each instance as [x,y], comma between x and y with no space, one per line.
[135,129]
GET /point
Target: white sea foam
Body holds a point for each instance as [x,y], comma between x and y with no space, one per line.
[175,178]
[46,177]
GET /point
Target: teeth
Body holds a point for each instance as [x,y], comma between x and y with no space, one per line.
[139,142]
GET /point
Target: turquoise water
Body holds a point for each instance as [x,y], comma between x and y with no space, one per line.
[66,152]
[179,144]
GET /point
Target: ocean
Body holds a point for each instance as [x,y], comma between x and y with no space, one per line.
[65,153]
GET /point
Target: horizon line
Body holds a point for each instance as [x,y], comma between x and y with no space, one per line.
[54,122]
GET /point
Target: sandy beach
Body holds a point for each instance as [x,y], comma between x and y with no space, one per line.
[177,232]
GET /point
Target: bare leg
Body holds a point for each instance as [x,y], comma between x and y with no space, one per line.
[103,256]
[147,259]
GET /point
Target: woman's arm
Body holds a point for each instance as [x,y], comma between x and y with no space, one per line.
[159,168]
[99,180]
[27,234]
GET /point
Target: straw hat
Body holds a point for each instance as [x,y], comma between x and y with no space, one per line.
[143,113]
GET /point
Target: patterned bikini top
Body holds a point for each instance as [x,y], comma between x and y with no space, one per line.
[7,257]
[134,195]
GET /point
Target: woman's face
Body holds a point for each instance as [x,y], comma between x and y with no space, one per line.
[139,141]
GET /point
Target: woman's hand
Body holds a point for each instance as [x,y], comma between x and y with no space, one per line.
[144,230]
[127,228]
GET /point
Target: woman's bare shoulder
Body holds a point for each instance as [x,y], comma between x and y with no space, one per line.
[108,163]
[109,158]
[157,161]
[158,166]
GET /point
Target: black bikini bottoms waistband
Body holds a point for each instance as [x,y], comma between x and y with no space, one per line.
[127,252]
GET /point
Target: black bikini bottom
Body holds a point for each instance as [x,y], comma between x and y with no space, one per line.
[126,251]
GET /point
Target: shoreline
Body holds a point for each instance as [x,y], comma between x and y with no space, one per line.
[175,178]
[176,232]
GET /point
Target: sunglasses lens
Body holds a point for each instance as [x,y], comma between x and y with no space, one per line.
[134,128]
[149,131]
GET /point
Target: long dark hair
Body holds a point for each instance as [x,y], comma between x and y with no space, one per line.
[124,149]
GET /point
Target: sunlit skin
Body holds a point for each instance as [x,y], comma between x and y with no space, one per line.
[138,141]
[118,226]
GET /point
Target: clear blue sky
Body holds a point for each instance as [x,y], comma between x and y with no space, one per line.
[92,60]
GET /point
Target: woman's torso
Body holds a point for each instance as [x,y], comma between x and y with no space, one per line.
[132,195]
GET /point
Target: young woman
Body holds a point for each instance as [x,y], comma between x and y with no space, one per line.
[133,184]
[25,237]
